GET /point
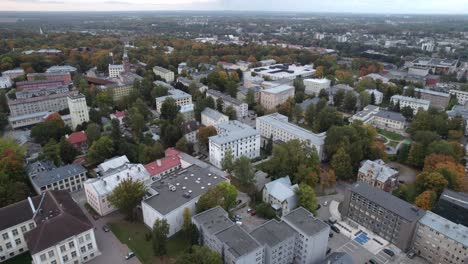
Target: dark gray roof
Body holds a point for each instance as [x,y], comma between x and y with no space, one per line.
[223,96]
[213,220]
[272,233]
[48,177]
[338,258]
[40,166]
[458,198]
[184,180]
[17,213]
[391,115]
[237,241]
[388,201]
[305,221]
[305,104]
[190,126]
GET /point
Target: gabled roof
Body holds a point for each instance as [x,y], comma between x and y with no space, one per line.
[17,213]
[378,169]
[76,137]
[162,165]
[282,189]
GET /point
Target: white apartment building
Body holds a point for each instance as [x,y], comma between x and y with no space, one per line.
[440,241]
[69,177]
[5,82]
[412,102]
[166,74]
[280,195]
[239,138]
[111,173]
[462,96]
[284,71]
[314,86]
[277,126]
[378,96]
[211,117]
[380,118]
[182,98]
[242,109]
[271,98]
[115,70]
[32,105]
[78,110]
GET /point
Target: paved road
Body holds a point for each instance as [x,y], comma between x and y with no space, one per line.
[112,250]
[405,173]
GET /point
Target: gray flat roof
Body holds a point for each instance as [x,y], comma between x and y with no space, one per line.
[456,232]
[305,221]
[213,114]
[194,180]
[225,97]
[458,198]
[391,115]
[272,233]
[231,131]
[213,220]
[48,177]
[238,241]
[388,201]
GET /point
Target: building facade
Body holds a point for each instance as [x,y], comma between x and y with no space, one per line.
[453,206]
[115,70]
[280,195]
[462,96]
[5,82]
[242,109]
[69,177]
[166,74]
[314,86]
[78,109]
[271,98]
[438,100]
[211,117]
[413,103]
[181,98]
[377,174]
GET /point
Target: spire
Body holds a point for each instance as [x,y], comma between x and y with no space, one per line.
[125,56]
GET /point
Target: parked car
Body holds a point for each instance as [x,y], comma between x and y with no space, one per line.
[238,217]
[373,261]
[335,229]
[129,255]
[249,210]
[105,228]
[330,234]
[325,203]
[411,254]
[332,220]
[389,252]
[253,212]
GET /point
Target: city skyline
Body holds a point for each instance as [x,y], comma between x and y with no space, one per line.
[337,6]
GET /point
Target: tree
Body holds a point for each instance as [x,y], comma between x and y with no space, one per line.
[204,133]
[306,197]
[182,145]
[170,134]
[93,132]
[244,171]
[51,151]
[187,216]
[160,233]
[169,109]
[309,115]
[341,163]
[219,105]
[127,195]
[200,255]
[228,161]
[338,98]
[3,122]
[231,113]
[327,179]
[265,210]
[350,101]
[52,128]
[269,145]
[407,112]
[431,181]
[250,98]
[224,194]
[149,153]
[100,150]
[426,200]
[68,152]
[307,175]
[299,85]
[365,98]
[326,118]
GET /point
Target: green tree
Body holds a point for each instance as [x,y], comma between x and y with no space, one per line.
[407,112]
[228,161]
[93,132]
[127,195]
[187,216]
[170,134]
[51,151]
[341,163]
[149,153]
[338,98]
[182,145]
[68,152]
[160,233]
[169,109]
[306,197]
[250,98]
[224,194]
[365,98]
[3,122]
[204,133]
[350,101]
[200,255]
[326,118]
[100,150]
[244,171]
[219,105]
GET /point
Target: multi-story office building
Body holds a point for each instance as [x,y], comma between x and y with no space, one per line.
[377,174]
[280,194]
[211,117]
[182,98]
[271,98]
[118,90]
[5,82]
[380,118]
[277,126]
[312,236]
[166,74]
[436,66]
[176,191]
[78,109]
[239,138]
[61,69]
[51,226]
[32,105]
[27,120]
[413,103]
[382,213]
[284,71]
[441,241]
[51,76]
[462,96]
[453,206]
[69,177]
[314,86]
[111,173]
[438,100]
[115,70]
[242,109]
[13,73]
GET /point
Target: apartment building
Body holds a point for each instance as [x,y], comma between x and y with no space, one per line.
[115,70]
[166,74]
[314,86]
[78,109]
[111,173]
[438,100]
[284,71]
[182,98]
[51,76]
[51,227]
[239,138]
[386,215]
[190,130]
[69,177]
[277,126]
[436,66]
[117,90]
[380,118]
[462,96]
[441,241]
[377,174]
[453,206]
[280,195]
[242,109]
[5,82]
[412,102]
[211,117]
[13,73]
[61,69]
[271,98]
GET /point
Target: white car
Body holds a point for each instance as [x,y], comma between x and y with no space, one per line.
[325,203]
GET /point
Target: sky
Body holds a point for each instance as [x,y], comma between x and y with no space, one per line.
[340,6]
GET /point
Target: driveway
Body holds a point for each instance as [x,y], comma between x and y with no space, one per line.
[405,173]
[112,250]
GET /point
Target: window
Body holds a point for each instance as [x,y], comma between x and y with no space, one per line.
[62,248]
[71,244]
[18,241]
[31,225]
[1,248]
[23,229]
[53,262]
[73,254]
[80,240]
[65,258]
[8,245]
[90,246]
[83,249]
[43,257]
[5,236]
[51,254]
[15,232]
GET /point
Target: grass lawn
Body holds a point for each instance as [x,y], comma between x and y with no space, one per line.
[20,259]
[393,143]
[391,135]
[133,235]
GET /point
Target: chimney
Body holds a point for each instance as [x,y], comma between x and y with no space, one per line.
[32,205]
[158,162]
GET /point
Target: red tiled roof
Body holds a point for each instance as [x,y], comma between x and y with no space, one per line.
[172,152]
[76,137]
[119,114]
[162,165]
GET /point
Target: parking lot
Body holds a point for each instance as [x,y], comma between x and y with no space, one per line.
[249,222]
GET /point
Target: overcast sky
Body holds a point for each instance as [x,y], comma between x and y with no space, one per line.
[348,6]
